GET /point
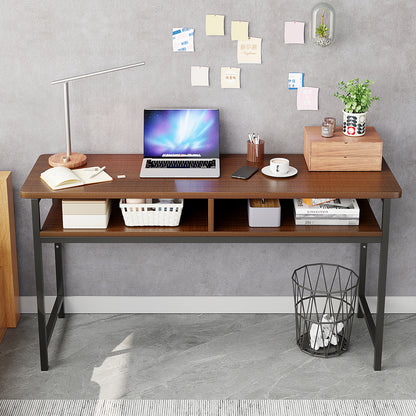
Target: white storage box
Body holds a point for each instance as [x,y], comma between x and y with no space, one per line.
[155,213]
[263,212]
[86,213]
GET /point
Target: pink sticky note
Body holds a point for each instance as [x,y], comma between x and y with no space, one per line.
[294,32]
[307,98]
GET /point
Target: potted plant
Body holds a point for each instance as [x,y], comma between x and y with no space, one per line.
[357,99]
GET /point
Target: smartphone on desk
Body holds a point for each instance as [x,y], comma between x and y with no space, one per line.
[245,172]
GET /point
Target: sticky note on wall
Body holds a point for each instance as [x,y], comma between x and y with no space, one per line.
[230,77]
[214,25]
[239,30]
[199,76]
[307,98]
[249,51]
[295,80]
[182,39]
[294,32]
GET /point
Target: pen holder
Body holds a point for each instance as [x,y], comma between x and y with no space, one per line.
[255,152]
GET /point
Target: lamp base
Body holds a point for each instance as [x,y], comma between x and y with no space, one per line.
[75,160]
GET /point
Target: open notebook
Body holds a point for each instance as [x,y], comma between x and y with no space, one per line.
[60,177]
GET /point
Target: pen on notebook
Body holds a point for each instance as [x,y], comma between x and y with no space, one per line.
[96,173]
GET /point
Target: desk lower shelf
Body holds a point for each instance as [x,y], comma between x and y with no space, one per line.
[216,218]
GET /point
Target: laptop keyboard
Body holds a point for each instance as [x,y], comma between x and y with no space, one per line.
[180,164]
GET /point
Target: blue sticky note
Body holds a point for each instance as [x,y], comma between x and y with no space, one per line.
[182,39]
[295,80]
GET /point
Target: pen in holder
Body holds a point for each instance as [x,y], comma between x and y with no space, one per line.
[255,151]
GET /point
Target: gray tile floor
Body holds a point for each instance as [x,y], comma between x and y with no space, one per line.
[205,356]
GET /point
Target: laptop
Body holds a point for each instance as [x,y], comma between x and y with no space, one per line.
[181,143]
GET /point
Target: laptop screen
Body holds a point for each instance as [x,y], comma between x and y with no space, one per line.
[190,133]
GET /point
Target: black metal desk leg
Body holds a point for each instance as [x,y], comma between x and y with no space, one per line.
[381,291]
[43,339]
[363,273]
[59,277]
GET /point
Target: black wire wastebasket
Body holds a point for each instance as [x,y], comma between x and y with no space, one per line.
[325,297]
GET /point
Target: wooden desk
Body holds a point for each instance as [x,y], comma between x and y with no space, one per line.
[215,211]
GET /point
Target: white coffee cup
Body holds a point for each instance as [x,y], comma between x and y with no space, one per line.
[279,165]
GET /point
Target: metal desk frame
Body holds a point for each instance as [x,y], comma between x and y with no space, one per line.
[46,327]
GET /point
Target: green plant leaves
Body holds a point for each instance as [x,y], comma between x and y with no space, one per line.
[356,95]
[322,31]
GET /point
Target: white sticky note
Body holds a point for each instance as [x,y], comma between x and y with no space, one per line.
[249,51]
[214,25]
[230,77]
[199,76]
[239,30]
[307,98]
[294,32]
[295,80]
[182,39]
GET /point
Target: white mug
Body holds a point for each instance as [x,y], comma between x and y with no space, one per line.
[279,165]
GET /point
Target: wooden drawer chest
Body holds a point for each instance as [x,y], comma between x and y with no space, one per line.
[340,152]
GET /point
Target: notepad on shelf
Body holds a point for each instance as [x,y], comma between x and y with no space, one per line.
[60,177]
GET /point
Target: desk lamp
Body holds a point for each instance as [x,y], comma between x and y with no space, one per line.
[69,159]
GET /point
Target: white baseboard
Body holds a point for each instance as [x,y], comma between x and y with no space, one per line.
[195,304]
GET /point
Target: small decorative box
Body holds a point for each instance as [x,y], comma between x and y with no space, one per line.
[86,213]
[263,212]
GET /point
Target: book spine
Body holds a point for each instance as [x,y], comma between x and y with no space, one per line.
[327,221]
[330,215]
[328,212]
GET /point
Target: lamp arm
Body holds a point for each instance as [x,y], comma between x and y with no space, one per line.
[78,159]
[91,74]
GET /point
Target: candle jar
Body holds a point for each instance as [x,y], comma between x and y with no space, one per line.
[326,129]
[332,121]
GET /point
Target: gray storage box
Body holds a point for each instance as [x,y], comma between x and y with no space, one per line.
[263,212]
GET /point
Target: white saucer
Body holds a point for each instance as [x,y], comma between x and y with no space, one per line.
[291,172]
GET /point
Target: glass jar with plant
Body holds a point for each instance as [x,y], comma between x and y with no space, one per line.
[323,24]
[322,30]
[357,99]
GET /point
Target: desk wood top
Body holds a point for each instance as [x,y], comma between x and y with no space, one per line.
[363,185]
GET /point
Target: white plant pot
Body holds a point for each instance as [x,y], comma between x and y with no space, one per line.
[354,124]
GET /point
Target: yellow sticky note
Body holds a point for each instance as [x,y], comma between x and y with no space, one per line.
[239,30]
[249,51]
[230,77]
[214,25]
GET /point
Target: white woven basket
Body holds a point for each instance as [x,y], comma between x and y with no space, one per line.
[157,214]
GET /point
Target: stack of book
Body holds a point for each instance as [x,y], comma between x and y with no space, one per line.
[336,212]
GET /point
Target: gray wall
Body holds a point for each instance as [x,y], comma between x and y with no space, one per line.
[46,40]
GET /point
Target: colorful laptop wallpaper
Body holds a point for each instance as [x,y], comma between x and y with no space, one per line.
[181,133]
